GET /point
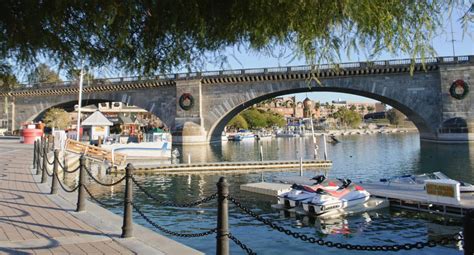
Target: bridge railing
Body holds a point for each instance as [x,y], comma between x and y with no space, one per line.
[254,71]
[223,197]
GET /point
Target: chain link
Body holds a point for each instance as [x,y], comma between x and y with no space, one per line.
[46,155]
[63,187]
[167,231]
[321,242]
[172,204]
[241,245]
[69,171]
[100,202]
[102,183]
[47,172]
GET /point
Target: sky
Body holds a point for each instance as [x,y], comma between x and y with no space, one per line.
[443,45]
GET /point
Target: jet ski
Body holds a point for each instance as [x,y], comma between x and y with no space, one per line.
[328,201]
[302,193]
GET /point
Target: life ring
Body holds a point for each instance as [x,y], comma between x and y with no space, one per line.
[186,101]
[459,89]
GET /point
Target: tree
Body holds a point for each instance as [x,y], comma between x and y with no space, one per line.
[238,122]
[254,118]
[370,109]
[8,80]
[361,108]
[148,36]
[56,118]
[43,74]
[347,117]
[395,116]
[73,75]
[353,108]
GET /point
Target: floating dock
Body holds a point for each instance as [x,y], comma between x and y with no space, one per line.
[248,166]
[405,198]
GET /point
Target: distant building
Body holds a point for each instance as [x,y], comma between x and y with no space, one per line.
[289,108]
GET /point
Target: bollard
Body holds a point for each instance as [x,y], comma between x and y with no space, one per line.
[468,233]
[81,199]
[38,157]
[54,183]
[189,158]
[222,217]
[45,166]
[127,227]
[301,166]
[34,155]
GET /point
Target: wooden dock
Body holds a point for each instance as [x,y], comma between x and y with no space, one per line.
[405,198]
[247,166]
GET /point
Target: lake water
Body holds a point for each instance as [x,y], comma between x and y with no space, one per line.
[364,157]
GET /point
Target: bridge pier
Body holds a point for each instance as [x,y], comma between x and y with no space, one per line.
[189,121]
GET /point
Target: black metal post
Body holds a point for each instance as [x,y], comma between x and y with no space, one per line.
[81,194]
[54,183]
[38,156]
[222,217]
[45,165]
[127,227]
[34,154]
[468,233]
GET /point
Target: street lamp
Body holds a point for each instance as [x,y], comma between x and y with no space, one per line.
[79,103]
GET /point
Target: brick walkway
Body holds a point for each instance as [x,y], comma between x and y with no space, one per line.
[30,223]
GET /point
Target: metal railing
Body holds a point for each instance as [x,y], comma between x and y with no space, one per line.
[253,71]
[222,230]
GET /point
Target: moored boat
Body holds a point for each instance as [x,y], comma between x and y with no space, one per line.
[419,181]
[241,136]
[158,148]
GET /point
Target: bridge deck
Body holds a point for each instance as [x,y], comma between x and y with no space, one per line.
[32,222]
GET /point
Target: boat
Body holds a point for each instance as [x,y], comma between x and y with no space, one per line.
[263,135]
[303,193]
[419,181]
[337,202]
[241,136]
[287,133]
[159,147]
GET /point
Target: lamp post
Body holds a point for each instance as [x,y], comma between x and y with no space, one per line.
[79,104]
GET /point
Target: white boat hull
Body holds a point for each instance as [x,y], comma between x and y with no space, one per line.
[152,150]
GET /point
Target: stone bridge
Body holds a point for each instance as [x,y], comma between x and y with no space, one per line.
[433,93]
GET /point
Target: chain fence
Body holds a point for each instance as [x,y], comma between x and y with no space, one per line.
[100,202]
[322,242]
[167,231]
[172,204]
[64,187]
[241,245]
[88,171]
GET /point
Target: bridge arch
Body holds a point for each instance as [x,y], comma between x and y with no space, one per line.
[408,105]
[37,112]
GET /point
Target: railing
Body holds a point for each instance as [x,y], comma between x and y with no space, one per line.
[222,230]
[96,152]
[289,69]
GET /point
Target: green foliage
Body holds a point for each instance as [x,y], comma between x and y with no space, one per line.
[370,109]
[255,118]
[353,108]
[43,74]
[347,117]
[8,80]
[395,116]
[56,118]
[148,36]
[238,122]
[73,75]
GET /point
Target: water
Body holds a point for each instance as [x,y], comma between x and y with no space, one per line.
[356,157]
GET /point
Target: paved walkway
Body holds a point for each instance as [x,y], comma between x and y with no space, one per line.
[32,222]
